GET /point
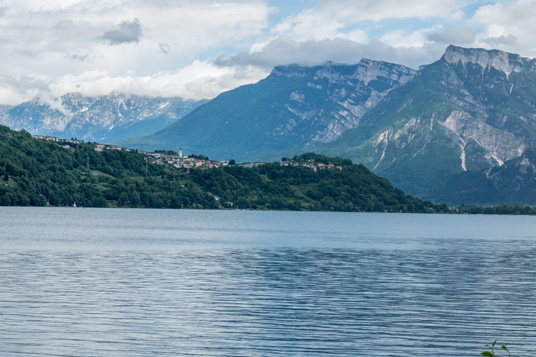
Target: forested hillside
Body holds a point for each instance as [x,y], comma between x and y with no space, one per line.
[40,173]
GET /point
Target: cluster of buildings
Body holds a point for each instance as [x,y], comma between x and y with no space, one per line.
[100,147]
[188,162]
[315,166]
[181,161]
[54,139]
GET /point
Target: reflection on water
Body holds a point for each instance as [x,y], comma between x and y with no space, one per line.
[157,282]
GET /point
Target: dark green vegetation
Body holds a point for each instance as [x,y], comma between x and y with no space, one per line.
[513,183]
[166,152]
[491,352]
[501,209]
[38,173]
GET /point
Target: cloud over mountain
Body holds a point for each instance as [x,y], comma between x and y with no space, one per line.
[284,50]
[212,46]
[458,35]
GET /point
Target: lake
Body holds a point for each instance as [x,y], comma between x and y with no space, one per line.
[126,282]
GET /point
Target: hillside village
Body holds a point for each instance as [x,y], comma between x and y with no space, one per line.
[178,160]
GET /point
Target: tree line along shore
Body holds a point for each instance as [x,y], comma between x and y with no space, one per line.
[47,173]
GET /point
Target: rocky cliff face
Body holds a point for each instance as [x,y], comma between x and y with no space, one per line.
[492,146]
[353,90]
[100,119]
[490,87]
[472,111]
[501,61]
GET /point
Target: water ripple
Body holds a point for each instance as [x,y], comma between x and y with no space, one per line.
[448,298]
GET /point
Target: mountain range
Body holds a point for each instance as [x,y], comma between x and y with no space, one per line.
[470,114]
[459,130]
[294,108]
[103,119]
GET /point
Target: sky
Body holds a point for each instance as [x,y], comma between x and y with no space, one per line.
[196,49]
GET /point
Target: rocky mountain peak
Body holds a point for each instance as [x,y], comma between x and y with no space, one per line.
[73,96]
[500,60]
[369,70]
[290,71]
[366,70]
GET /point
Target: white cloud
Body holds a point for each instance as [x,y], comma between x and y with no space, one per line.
[331,17]
[197,81]
[509,26]
[59,39]
[38,5]
[198,48]
[393,9]
[126,32]
[458,35]
[345,30]
[342,31]
[285,51]
[408,39]
[356,35]
[12,95]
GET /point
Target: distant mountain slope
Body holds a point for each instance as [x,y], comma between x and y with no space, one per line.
[5,108]
[102,119]
[513,183]
[469,112]
[292,109]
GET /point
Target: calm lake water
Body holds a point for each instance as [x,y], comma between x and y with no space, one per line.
[114,282]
